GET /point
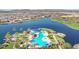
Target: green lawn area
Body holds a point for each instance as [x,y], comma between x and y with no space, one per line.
[71,25]
[34,18]
[10,45]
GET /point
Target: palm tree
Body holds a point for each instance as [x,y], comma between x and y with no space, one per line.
[24,33]
[7,36]
[16,34]
[21,37]
[16,45]
[57,42]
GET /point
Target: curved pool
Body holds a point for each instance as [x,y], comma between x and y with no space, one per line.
[38,40]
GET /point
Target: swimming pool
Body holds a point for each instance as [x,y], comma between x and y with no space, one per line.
[38,40]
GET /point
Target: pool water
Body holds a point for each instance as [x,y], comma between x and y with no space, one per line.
[38,40]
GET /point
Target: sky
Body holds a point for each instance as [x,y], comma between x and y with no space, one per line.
[39,4]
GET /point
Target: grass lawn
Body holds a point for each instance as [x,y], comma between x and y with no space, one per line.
[71,25]
[10,46]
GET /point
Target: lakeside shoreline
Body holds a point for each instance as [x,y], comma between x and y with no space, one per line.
[70,25]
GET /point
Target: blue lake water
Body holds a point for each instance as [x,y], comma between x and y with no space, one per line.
[38,40]
[72,36]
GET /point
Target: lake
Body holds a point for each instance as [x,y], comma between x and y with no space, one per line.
[72,36]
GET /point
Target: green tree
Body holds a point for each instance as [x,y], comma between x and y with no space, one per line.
[7,36]
[68,45]
[16,35]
